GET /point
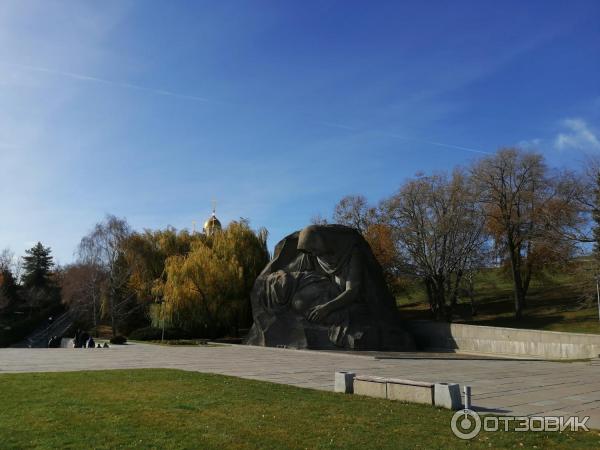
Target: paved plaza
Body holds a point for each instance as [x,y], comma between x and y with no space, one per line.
[513,387]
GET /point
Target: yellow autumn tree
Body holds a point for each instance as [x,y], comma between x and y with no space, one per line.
[208,289]
[146,254]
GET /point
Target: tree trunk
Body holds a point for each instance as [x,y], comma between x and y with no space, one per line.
[526,283]
[439,298]
[518,302]
[517,281]
[430,296]
[472,296]
[455,287]
[112,315]
[94,321]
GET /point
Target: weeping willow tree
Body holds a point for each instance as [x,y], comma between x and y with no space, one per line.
[146,255]
[208,289]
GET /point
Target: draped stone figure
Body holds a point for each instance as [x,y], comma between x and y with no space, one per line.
[324,289]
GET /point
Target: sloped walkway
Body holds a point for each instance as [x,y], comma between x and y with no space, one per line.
[39,337]
[513,387]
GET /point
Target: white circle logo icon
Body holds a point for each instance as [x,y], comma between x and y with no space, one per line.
[465,424]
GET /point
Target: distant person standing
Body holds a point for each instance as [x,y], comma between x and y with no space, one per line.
[83,339]
[77,339]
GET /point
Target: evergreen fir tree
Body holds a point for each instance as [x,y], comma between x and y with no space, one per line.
[37,266]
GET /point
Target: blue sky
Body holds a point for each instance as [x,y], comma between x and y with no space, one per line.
[149,110]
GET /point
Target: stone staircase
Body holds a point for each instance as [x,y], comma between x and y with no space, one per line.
[39,338]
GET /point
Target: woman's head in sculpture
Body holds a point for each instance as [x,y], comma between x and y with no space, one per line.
[311,241]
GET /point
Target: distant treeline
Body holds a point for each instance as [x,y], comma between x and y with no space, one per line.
[190,283]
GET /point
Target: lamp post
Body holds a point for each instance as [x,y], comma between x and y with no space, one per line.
[162,313]
[162,336]
[598,294]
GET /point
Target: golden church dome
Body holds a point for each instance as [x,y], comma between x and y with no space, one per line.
[212,225]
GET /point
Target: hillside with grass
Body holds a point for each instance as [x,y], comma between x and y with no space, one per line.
[558,300]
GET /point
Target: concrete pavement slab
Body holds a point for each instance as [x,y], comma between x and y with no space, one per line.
[514,387]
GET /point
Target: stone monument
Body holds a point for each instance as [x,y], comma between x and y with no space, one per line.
[324,289]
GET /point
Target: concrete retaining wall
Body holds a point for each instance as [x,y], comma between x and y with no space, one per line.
[504,341]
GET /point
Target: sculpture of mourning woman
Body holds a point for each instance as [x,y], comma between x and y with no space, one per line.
[324,289]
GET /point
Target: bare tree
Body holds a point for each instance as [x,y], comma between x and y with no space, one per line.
[354,211]
[7,257]
[439,229]
[318,219]
[8,281]
[580,205]
[104,248]
[527,212]
[81,289]
[582,189]
[8,262]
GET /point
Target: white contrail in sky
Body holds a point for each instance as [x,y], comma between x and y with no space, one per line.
[82,77]
[439,144]
[338,125]
[398,136]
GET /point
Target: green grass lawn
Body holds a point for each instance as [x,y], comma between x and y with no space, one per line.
[555,303]
[176,409]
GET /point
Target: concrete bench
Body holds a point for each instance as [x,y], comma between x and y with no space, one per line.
[410,391]
[370,386]
[394,389]
[445,395]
